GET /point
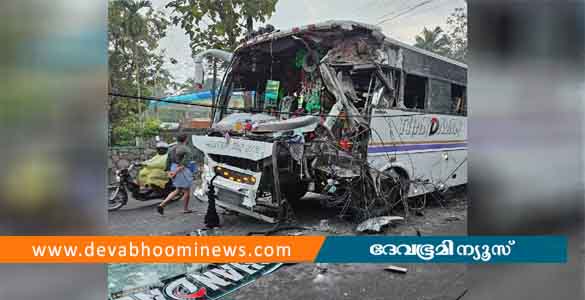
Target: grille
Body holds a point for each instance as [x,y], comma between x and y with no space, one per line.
[230,197]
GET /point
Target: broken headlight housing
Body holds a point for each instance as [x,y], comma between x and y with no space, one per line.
[235,176]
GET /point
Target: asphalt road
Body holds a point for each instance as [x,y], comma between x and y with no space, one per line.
[140,218]
[311,281]
[371,281]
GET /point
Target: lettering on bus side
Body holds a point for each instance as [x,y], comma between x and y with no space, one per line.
[429,126]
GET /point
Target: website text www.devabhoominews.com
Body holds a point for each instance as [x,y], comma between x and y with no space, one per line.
[145,250]
[96,249]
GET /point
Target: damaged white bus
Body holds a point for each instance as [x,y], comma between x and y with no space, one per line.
[338,109]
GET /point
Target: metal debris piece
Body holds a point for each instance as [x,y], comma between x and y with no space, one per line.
[324,225]
[462,295]
[298,233]
[376,224]
[356,50]
[452,218]
[334,85]
[396,269]
[205,232]
[228,123]
[322,268]
[289,124]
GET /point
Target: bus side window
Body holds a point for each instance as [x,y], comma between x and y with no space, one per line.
[384,98]
[440,97]
[415,91]
[459,98]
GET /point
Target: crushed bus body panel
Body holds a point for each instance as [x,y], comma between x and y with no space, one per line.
[338,109]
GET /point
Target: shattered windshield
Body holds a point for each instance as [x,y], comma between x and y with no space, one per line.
[308,74]
[275,79]
[241,98]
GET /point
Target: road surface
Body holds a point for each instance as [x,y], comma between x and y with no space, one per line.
[323,281]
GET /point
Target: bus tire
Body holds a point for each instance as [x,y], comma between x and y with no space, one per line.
[398,186]
[294,192]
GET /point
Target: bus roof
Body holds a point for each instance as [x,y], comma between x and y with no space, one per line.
[346,25]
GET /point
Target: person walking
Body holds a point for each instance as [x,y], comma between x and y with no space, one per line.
[179,161]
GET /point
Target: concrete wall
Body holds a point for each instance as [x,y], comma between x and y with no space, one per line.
[122,157]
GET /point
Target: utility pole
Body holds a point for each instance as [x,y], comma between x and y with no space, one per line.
[249,24]
[214,83]
[139,139]
[109,107]
[157,93]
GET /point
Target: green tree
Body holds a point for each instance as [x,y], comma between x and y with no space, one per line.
[129,128]
[135,67]
[218,23]
[433,40]
[457,33]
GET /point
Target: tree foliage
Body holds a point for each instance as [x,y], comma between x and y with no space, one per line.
[218,23]
[433,40]
[130,127]
[452,43]
[135,67]
[457,23]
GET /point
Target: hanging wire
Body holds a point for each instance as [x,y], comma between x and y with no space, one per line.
[146,98]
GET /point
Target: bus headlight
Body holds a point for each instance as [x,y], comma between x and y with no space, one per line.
[235,176]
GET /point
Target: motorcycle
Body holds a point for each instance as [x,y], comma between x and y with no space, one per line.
[125,182]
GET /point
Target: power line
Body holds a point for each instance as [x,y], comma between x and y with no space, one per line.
[426,9]
[399,7]
[405,11]
[146,98]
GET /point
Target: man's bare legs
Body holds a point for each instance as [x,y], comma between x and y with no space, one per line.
[161,207]
[186,198]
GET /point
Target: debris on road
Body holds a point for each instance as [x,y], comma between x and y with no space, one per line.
[396,269]
[277,228]
[452,218]
[296,233]
[206,232]
[321,268]
[376,224]
[462,295]
[324,225]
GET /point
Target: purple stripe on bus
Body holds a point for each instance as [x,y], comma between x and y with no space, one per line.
[395,148]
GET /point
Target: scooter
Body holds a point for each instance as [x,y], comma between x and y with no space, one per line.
[118,192]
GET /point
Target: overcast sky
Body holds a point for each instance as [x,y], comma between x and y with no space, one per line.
[292,13]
